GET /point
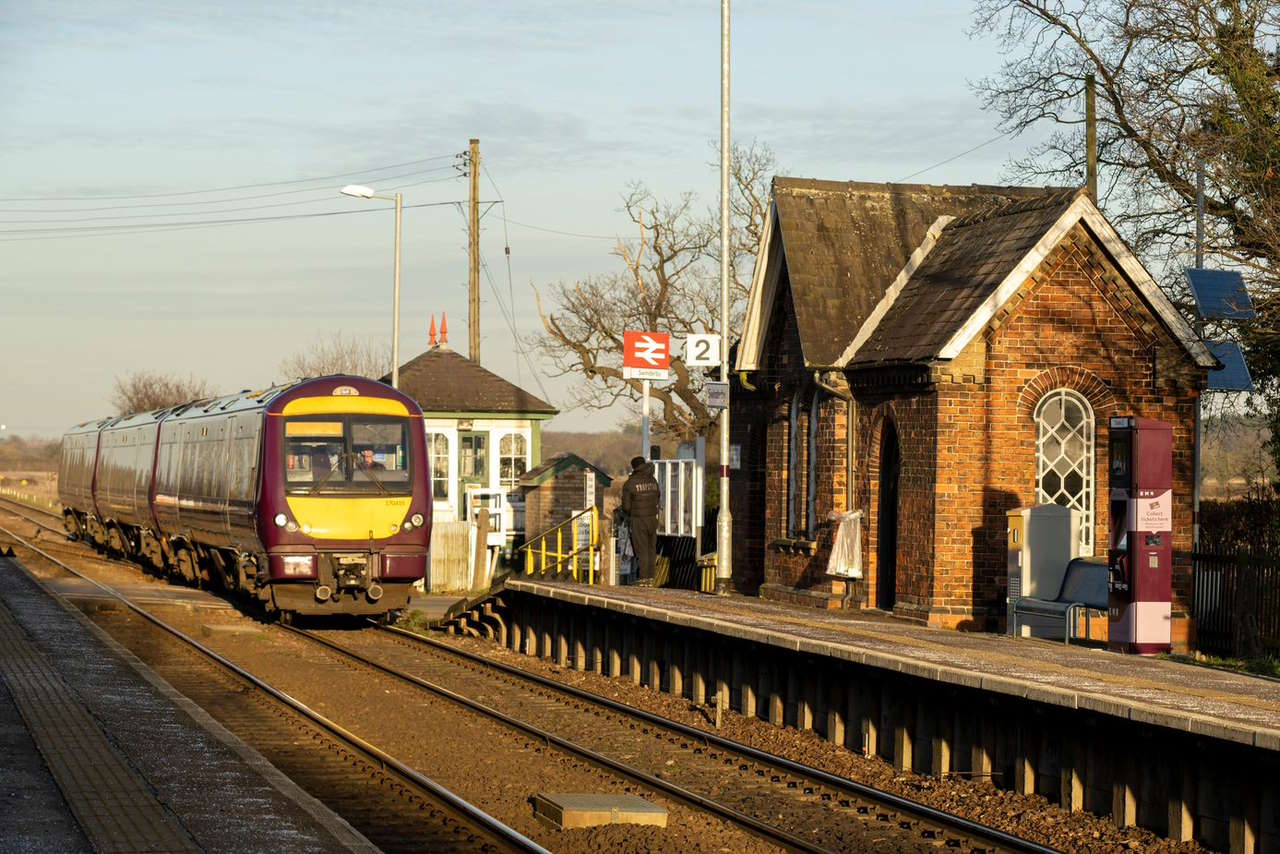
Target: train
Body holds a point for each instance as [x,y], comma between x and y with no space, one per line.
[312,498]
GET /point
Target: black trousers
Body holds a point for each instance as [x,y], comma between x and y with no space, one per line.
[644,542]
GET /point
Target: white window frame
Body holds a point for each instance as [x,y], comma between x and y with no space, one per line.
[1086,501]
[450,437]
[515,434]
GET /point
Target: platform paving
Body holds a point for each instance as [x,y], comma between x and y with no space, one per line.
[436,607]
[111,758]
[1202,701]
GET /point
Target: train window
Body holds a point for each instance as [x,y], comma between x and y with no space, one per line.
[354,454]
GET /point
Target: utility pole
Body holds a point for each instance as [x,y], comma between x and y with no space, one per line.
[1090,139]
[473,233]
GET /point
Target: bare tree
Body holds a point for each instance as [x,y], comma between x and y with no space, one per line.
[1183,86]
[338,354]
[144,391]
[669,283]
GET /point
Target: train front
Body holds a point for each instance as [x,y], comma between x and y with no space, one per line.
[345,505]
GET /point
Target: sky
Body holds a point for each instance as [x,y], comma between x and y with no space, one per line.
[109,110]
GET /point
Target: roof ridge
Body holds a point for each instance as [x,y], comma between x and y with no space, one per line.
[1057,197]
[452,364]
[790,183]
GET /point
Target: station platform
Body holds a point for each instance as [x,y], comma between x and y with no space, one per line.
[1197,700]
[436,608]
[99,754]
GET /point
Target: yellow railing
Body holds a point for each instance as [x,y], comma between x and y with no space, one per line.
[571,545]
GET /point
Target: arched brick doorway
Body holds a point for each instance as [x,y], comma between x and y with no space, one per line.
[887,518]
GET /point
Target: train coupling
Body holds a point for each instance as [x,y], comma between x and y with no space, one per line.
[352,571]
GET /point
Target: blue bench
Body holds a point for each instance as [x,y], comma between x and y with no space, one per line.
[1084,588]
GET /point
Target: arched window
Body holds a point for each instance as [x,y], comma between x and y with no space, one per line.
[513,460]
[802,466]
[1064,457]
[794,488]
[811,468]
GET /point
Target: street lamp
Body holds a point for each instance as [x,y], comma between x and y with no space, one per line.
[358,191]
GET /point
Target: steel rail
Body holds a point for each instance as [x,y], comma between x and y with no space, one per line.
[923,811]
[492,825]
[768,831]
[28,508]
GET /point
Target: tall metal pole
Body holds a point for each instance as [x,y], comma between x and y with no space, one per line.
[1090,138]
[473,279]
[644,423]
[1200,214]
[395,307]
[724,539]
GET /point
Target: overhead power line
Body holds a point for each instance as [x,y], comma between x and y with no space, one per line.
[225,189]
[227,200]
[327,197]
[996,138]
[141,228]
[560,231]
[509,317]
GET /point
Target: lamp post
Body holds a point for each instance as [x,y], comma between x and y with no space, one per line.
[358,191]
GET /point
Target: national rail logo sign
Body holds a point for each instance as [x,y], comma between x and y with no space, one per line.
[646,355]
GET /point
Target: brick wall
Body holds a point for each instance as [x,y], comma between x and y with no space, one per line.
[967,436]
[1074,324]
[555,500]
[913,416]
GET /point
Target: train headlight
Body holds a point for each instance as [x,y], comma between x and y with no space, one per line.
[417,520]
[291,527]
[281,520]
[306,529]
[298,564]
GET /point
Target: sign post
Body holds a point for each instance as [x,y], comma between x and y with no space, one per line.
[646,356]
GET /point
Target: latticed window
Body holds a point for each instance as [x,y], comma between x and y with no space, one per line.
[1064,457]
[438,451]
[513,460]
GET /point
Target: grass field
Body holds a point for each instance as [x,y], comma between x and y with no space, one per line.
[40,487]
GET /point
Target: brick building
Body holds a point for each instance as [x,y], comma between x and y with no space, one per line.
[933,357]
[563,485]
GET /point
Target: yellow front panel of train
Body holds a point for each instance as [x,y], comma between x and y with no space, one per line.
[328,518]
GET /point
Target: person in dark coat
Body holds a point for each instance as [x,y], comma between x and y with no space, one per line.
[640,503]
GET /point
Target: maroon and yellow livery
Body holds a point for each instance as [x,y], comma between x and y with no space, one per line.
[313,497]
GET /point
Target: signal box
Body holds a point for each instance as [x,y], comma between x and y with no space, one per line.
[1140,560]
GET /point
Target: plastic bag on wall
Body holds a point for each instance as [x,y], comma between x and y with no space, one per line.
[846,552]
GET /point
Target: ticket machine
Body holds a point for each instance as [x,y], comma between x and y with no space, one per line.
[1140,560]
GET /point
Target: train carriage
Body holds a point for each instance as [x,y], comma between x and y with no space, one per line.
[312,497]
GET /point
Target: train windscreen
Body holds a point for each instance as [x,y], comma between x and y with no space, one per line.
[333,455]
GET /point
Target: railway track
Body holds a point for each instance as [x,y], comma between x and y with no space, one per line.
[29,513]
[792,805]
[807,808]
[395,806]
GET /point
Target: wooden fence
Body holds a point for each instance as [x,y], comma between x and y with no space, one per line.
[450,570]
[1236,602]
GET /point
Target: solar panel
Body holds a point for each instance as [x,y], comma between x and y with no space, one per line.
[1234,375]
[1220,294]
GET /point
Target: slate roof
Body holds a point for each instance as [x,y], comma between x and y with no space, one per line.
[442,380]
[970,259]
[845,242]
[562,461]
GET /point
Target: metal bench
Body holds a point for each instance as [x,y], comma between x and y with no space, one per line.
[1084,589]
